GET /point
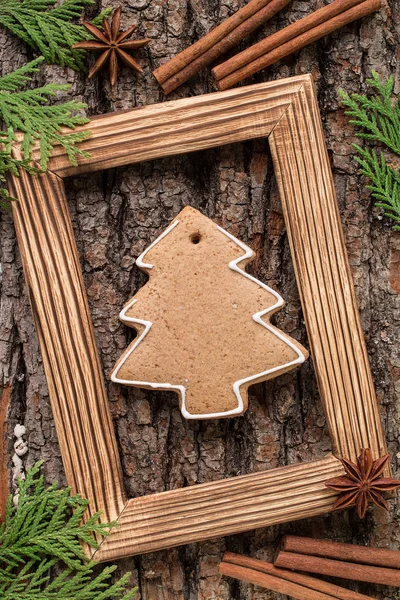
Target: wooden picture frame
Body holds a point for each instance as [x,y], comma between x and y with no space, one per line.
[287,113]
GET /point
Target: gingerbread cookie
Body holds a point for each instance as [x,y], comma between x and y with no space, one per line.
[203,322]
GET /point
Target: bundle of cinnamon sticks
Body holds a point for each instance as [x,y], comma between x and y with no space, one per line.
[283,581]
[291,39]
[241,24]
[216,43]
[345,561]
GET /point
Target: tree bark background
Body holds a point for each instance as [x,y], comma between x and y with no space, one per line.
[117,213]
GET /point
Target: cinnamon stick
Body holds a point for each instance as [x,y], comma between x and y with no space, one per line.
[255,58]
[337,568]
[221,39]
[311,583]
[349,552]
[271,582]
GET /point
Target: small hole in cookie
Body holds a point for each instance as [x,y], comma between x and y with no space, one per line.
[195,238]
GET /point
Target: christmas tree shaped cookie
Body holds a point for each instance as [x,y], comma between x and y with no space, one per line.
[203,322]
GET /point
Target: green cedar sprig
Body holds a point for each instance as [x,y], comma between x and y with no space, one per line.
[378,118]
[28,113]
[50,30]
[44,532]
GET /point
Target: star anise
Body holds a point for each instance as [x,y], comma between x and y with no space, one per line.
[114,45]
[363,483]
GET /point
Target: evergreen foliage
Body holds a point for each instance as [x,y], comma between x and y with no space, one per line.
[41,557]
[378,117]
[49,29]
[28,112]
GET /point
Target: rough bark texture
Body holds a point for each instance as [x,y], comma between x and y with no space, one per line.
[117,213]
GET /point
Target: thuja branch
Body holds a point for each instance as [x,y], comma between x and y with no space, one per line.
[27,112]
[44,531]
[385,182]
[378,119]
[48,29]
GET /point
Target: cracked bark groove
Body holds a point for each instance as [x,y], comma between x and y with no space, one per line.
[5,398]
[115,216]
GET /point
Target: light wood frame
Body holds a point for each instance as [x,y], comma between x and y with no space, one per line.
[287,113]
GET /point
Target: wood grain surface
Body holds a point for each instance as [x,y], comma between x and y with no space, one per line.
[64,328]
[325,284]
[288,111]
[222,508]
[179,126]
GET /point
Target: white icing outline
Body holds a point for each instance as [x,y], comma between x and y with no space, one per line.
[139,260]
[257,317]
